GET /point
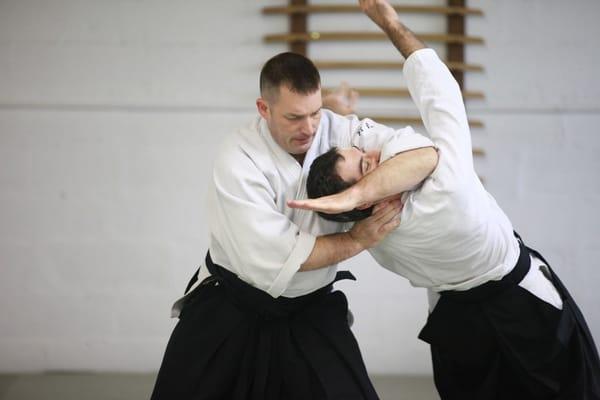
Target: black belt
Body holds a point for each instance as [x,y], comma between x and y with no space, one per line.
[252,299]
[493,288]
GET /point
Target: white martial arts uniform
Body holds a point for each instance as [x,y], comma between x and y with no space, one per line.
[452,234]
[252,231]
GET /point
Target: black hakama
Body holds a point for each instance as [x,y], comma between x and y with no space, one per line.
[236,342]
[499,341]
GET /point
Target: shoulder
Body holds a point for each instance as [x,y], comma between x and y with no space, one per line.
[240,150]
[337,123]
[337,129]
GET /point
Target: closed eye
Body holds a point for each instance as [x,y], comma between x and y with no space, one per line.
[364,166]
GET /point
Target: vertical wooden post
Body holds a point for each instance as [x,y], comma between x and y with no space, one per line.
[298,25]
[456,51]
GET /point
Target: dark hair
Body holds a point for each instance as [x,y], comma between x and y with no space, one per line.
[323,180]
[293,70]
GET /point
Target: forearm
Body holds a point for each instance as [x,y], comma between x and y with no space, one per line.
[398,174]
[383,14]
[330,250]
[402,38]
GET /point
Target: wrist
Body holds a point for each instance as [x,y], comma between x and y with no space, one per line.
[390,25]
[357,195]
[358,242]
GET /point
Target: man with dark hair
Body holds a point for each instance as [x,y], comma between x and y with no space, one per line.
[260,319]
[289,69]
[501,323]
[324,180]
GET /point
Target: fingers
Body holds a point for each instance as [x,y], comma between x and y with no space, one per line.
[380,206]
[387,212]
[363,5]
[383,204]
[385,217]
[294,204]
[352,99]
[391,225]
[302,204]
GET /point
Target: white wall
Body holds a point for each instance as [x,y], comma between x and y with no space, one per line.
[109,113]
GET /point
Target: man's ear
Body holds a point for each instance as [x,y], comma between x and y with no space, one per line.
[263,107]
[364,206]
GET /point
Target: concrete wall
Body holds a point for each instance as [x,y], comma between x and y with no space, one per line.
[109,113]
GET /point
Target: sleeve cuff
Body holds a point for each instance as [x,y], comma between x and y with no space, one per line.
[302,250]
[416,57]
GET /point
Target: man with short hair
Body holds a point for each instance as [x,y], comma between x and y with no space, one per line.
[502,325]
[261,320]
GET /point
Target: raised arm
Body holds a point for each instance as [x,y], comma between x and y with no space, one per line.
[367,134]
[436,94]
[438,97]
[403,171]
[384,15]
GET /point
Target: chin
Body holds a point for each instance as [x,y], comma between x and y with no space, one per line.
[302,149]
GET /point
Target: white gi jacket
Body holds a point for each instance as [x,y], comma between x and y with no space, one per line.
[252,231]
[452,234]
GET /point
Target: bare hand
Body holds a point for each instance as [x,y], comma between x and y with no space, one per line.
[385,218]
[342,100]
[380,11]
[338,203]
[333,204]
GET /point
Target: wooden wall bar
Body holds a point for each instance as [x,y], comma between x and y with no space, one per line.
[455,52]
[298,25]
[359,64]
[366,36]
[298,8]
[455,39]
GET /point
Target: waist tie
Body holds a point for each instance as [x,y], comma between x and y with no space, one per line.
[493,288]
[250,298]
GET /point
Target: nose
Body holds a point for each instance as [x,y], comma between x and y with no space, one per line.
[308,126]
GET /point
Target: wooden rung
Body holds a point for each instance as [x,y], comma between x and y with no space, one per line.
[455,66]
[397,92]
[341,8]
[384,119]
[349,36]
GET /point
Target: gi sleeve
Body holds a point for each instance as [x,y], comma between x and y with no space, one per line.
[260,243]
[439,100]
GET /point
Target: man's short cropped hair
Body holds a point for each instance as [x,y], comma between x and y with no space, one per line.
[323,180]
[292,70]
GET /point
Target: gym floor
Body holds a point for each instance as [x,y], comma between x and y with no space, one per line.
[113,386]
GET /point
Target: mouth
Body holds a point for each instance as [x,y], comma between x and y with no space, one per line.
[304,140]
